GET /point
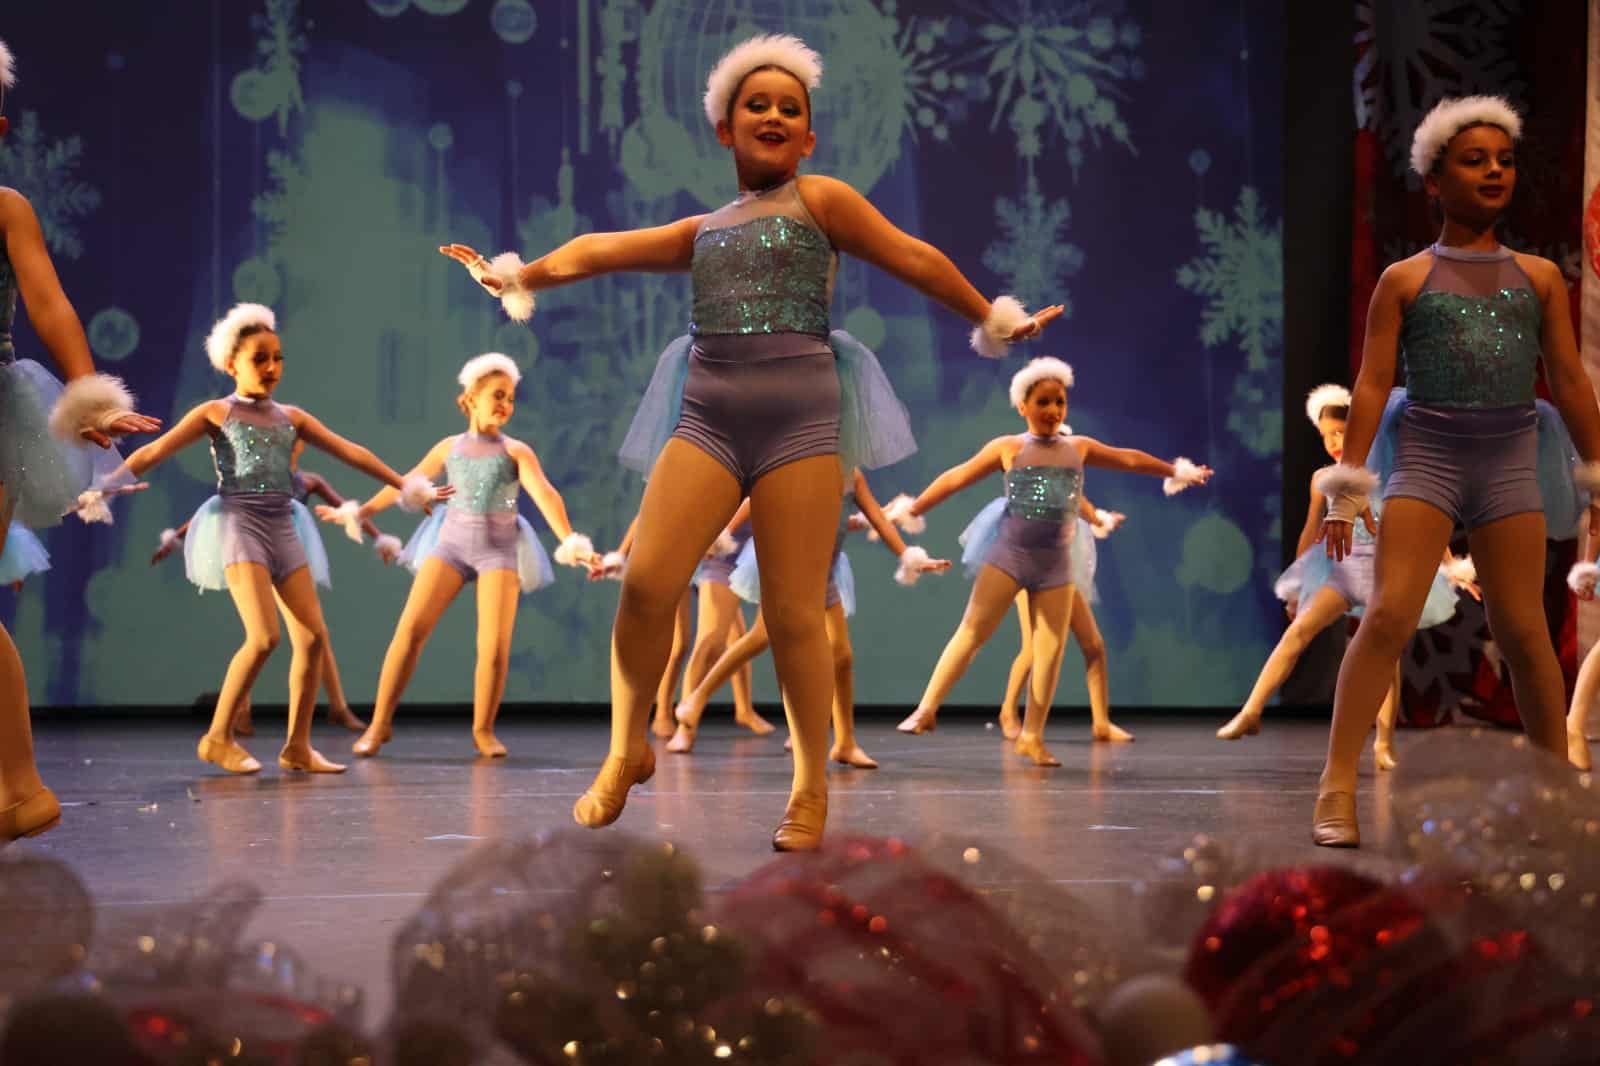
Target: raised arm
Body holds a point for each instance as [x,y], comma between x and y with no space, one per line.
[190,428]
[989,460]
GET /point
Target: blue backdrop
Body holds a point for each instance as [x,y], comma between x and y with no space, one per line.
[1121,158]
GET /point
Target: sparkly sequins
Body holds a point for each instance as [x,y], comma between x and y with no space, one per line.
[1472,351]
[1043,493]
[768,275]
[484,483]
[251,457]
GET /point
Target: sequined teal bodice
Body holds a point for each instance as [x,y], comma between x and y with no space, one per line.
[1471,337]
[767,275]
[252,458]
[485,483]
[1044,493]
[8,307]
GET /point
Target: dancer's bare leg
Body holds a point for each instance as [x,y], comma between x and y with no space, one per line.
[253,597]
[670,540]
[244,723]
[992,593]
[661,723]
[1051,610]
[845,749]
[1324,608]
[308,636]
[1578,717]
[727,667]
[743,682]
[1097,672]
[19,774]
[339,712]
[1411,541]
[1383,746]
[435,585]
[497,619]
[1010,721]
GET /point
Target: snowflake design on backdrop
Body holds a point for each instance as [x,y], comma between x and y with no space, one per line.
[1240,275]
[934,97]
[1032,253]
[1413,54]
[273,208]
[46,173]
[618,27]
[282,42]
[1065,69]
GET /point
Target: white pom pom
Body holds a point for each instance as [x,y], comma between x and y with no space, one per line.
[416,492]
[169,539]
[611,564]
[913,561]
[517,301]
[993,338]
[575,549]
[1104,524]
[1583,577]
[1587,476]
[92,507]
[388,547]
[1184,474]
[348,514]
[725,545]
[1341,479]
[93,401]
[899,512]
[1460,571]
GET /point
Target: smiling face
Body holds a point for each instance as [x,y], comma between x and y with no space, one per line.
[1475,175]
[1045,407]
[491,402]
[257,364]
[768,128]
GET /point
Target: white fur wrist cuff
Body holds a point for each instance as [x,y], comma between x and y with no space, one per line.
[1460,571]
[1184,474]
[899,512]
[611,564]
[913,561]
[416,492]
[388,547]
[1583,577]
[993,339]
[725,545]
[1104,524]
[169,538]
[574,550]
[349,514]
[1587,475]
[92,507]
[1341,479]
[93,401]
[507,267]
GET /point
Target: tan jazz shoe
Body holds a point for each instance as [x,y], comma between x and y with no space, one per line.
[1240,725]
[602,803]
[920,721]
[370,742]
[39,813]
[803,819]
[1333,824]
[309,761]
[228,755]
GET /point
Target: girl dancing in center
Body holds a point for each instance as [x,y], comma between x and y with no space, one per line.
[479,538]
[760,400]
[1028,546]
[1474,318]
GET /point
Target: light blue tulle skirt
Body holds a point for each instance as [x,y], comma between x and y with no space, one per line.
[979,536]
[24,555]
[534,570]
[203,560]
[42,475]
[745,581]
[874,428]
[1351,577]
[1564,503]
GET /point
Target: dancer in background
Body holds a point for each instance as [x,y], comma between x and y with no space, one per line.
[478,538]
[760,400]
[1025,543]
[1474,319]
[44,461]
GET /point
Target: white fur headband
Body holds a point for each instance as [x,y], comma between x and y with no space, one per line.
[8,67]
[224,336]
[1450,117]
[775,50]
[481,366]
[1046,368]
[1324,396]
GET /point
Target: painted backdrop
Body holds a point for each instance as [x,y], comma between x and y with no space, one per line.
[1121,158]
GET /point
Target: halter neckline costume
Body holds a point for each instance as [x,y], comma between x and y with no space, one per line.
[1031,534]
[479,530]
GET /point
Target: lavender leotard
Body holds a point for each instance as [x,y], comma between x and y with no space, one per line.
[251,452]
[1467,440]
[1041,515]
[480,531]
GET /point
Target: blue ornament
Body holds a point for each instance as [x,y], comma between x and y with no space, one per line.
[1210,1055]
[1200,161]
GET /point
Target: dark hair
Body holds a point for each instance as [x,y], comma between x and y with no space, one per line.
[249,331]
[733,99]
[1334,410]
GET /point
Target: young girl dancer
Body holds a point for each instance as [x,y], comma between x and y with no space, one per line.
[760,400]
[840,604]
[479,537]
[1320,592]
[1474,318]
[720,621]
[1027,547]
[252,538]
[43,463]
[305,485]
[1582,579]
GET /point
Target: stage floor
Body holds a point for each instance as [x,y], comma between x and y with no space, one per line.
[344,859]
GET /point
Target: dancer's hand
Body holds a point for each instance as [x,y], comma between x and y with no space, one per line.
[121,426]
[857,522]
[161,553]
[1037,322]
[476,265]
[1338,537]
[441,493]
[1291,608]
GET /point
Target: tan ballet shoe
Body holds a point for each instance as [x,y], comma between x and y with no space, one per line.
[1010,724]
[853,756]
[488,745]
[1383,757]
[663,724]
[602,804]
[1333,823]
[803,820]
[920,721]
[309,761]
[1033,748]
[228,755]
[756,724]
[1578,751]
[1240,725]
[1111,733]
[344,716]
[371,741]
[39,813]
[682,742]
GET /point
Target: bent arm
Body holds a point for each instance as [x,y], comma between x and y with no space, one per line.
[873,513]
[658,249]
[52,314]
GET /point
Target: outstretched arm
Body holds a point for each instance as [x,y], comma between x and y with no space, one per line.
[317,485]
[386,497]
[190,428]
[346,451]
[873,513]
[657,249]
[990,459]
[1129,460]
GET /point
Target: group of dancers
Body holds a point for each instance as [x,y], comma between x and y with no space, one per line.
[759,422]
